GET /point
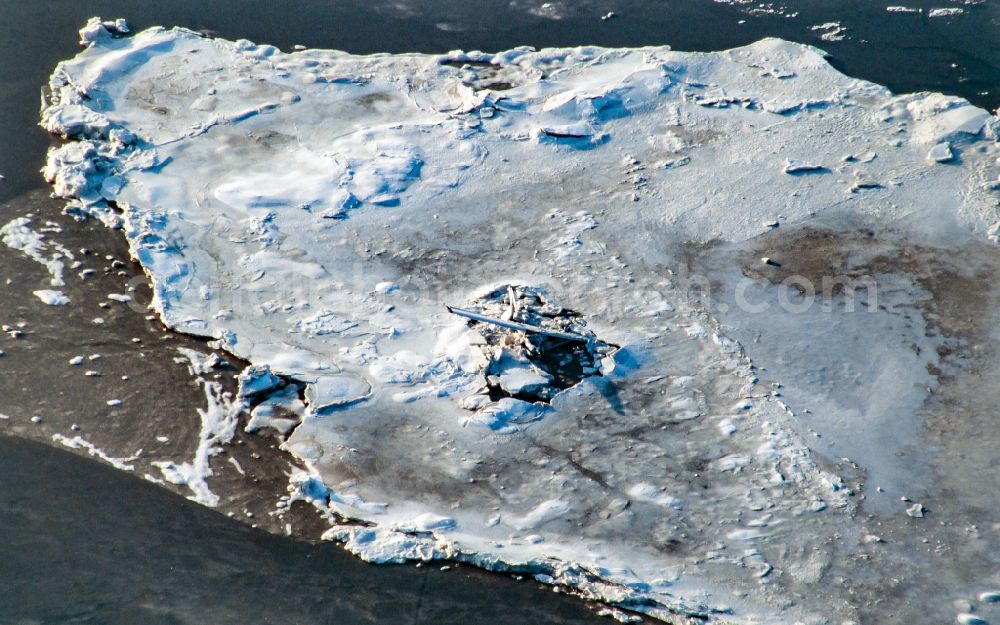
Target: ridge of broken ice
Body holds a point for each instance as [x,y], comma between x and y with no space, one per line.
[272,196]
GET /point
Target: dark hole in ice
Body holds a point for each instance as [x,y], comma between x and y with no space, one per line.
[528,365]
[499,85]
[485,75]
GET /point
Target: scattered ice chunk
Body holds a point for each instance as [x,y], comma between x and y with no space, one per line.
[941,153]
[793,166]
[965,618]
[578,130]
[946,12]
[52,298]
[257,379]
[384,546]
[239,469]
[864,157]
[97,30]
[517,376]
[832,31]
[916,511]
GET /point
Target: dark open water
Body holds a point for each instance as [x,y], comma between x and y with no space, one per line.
[81,543]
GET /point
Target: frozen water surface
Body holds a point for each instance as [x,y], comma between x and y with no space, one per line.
[695,454]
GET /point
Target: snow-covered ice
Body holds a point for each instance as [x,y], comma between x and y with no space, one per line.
[314,212]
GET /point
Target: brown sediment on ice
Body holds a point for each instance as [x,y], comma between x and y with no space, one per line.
[951,299]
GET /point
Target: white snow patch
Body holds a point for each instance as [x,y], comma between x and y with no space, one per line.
[17,235]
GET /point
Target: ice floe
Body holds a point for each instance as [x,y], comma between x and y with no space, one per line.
[579,412]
